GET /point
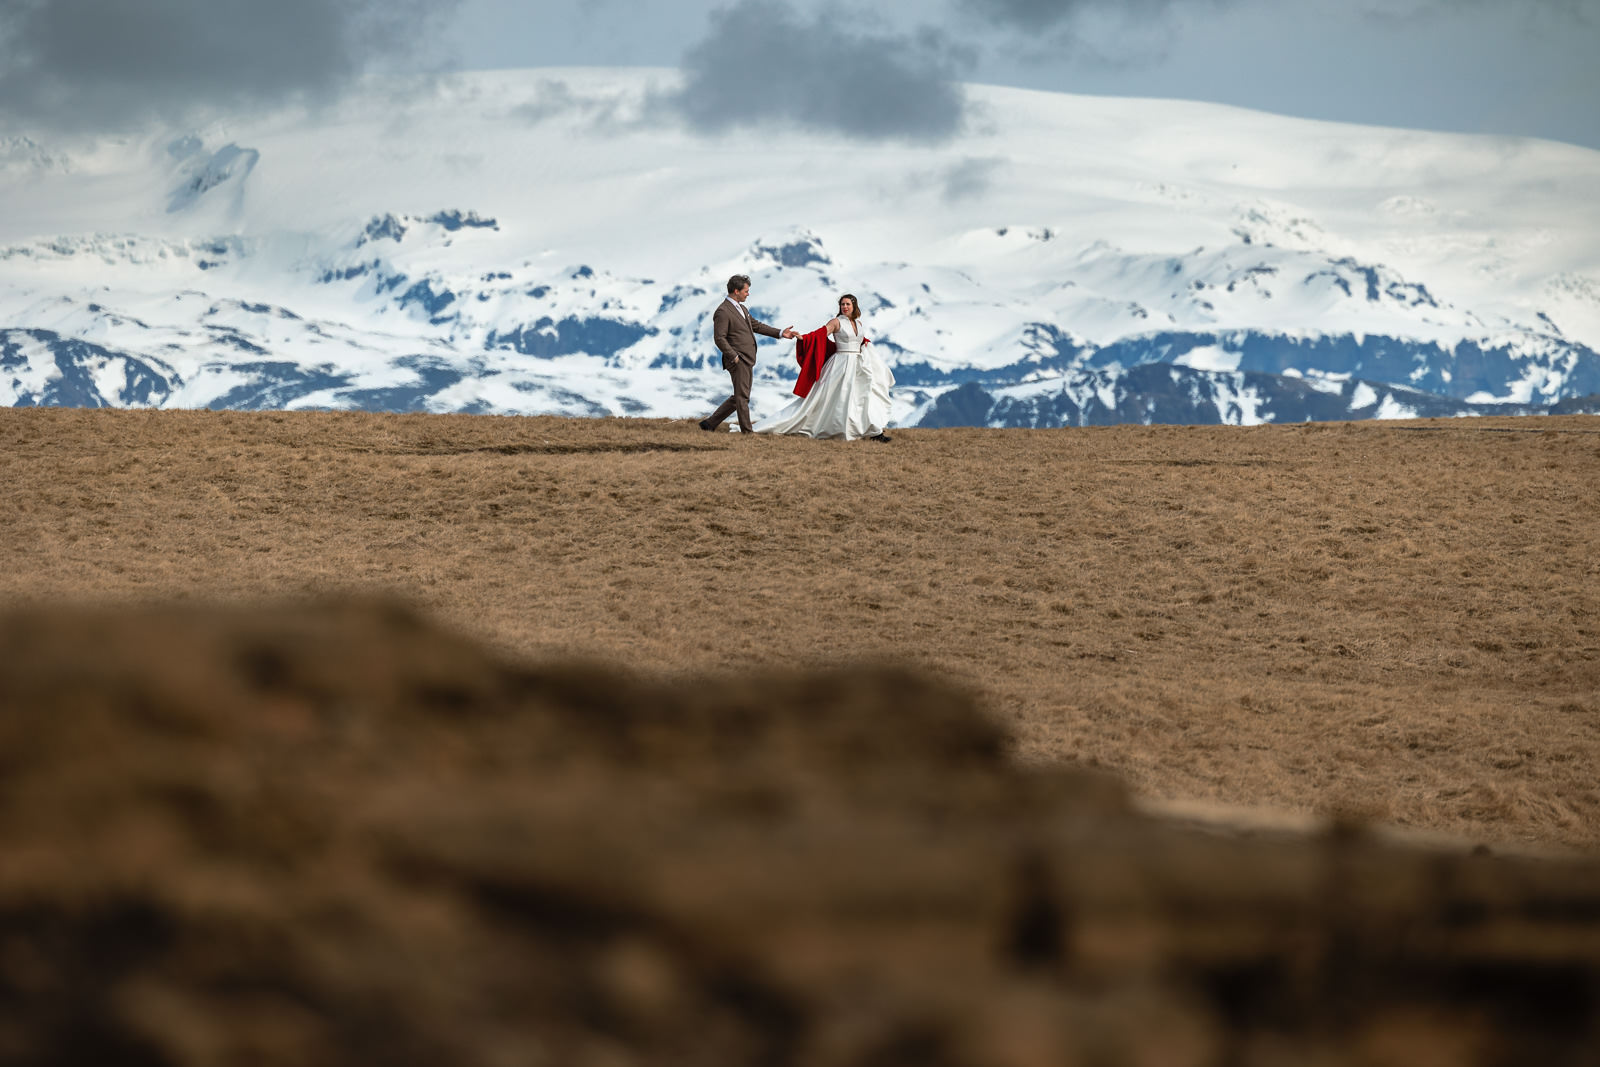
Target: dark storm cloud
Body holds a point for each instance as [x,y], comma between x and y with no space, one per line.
[1036,15]
[762,65]
[1088,35]
[100,64]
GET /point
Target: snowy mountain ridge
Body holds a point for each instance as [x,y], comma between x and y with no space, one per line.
[1078,261]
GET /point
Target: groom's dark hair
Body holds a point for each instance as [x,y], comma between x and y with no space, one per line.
[737,282]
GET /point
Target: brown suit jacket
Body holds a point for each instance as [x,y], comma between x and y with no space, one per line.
[736,337]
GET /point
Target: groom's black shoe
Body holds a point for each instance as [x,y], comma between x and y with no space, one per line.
[705,424]
[885,438]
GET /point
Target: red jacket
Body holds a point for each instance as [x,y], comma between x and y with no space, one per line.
[811,350]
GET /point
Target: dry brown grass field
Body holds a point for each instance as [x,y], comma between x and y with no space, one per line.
[1397,621]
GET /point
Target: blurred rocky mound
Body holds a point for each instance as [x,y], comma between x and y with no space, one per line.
[338,835]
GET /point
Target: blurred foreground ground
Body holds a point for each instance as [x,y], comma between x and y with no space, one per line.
[339,834]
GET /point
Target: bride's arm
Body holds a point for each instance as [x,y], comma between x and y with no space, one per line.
[831,327]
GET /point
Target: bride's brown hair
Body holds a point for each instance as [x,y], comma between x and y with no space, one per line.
[855,306]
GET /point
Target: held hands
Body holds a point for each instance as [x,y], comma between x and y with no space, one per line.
[790,331]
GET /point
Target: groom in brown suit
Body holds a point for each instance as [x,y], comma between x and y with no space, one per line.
[734,330]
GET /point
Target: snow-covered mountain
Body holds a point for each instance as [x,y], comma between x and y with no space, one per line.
[554,241]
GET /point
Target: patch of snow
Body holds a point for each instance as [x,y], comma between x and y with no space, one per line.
[32,377]
[1209,357]
[1393,409]
[1332,384]
[1237,404]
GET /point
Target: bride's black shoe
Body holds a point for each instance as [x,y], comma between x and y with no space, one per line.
[885,438]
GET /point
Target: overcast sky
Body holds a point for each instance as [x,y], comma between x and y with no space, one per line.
[1521,67]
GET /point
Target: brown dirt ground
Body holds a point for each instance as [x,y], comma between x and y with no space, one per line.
[1397,621]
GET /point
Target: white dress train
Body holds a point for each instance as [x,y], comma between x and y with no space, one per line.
[849,400]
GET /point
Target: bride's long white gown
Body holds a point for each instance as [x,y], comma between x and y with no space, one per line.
[849,400]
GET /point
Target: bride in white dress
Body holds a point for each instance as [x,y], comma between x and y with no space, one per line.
[851,397]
